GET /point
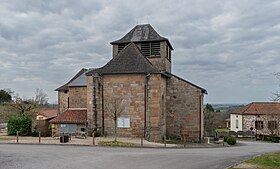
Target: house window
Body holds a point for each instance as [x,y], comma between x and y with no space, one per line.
[236,123]
[259,124]
[272,124]
[150,49]
[123,122]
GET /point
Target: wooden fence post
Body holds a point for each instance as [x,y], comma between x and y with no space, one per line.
[164,140]
[39,136]
[184,142]
[17,136]
[93,141]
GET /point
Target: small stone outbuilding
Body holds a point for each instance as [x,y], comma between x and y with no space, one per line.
[155,102]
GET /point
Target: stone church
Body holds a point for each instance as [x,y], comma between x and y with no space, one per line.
[154,101]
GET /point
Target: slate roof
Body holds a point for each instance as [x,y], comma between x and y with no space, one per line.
[71,116]
[141,33]
[170,75]
[50,113]
[129,60]
[78,80]
[258,108]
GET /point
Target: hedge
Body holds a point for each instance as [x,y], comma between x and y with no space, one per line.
[22,124]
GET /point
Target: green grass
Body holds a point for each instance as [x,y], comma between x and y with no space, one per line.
[269,161]
[5,139]
[116,144]
[222,130]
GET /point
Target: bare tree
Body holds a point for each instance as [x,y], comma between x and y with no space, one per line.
[24,106]
[276,95]
[115,108]
[41,98]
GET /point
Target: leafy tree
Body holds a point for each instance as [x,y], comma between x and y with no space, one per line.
[209,108]
[115,108]
[209,118]
[5,96]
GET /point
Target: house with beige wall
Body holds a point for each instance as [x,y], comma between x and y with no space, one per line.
[155,102]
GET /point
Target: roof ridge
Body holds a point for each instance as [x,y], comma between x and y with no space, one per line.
[83,70]
[128,60]
[249,105]
[142,33]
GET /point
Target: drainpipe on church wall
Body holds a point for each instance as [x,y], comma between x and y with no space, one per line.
[201,118]
[146,103]
[94,103]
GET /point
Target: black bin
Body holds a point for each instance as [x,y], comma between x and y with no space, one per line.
[64,139]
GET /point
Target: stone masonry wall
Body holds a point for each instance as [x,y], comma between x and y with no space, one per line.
[161,62]
[249,121]
[77,97]
[130,88]
[63,101]
[155,111]
[184,110]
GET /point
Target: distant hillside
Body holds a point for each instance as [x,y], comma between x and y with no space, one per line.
[226,107]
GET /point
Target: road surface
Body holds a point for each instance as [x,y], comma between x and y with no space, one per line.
[22,156]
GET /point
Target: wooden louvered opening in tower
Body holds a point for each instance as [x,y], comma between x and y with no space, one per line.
[155,48]
[145,48]
[120,47]
[150,49]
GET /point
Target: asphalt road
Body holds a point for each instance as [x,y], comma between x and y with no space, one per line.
[13,156]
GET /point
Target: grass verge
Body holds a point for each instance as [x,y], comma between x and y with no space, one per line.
[116,144]
[5,139]
[271,161]
[266,161]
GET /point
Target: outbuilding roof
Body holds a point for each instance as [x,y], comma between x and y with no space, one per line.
[71,116]
[141,33]
[129,60]
[258,108]
[49,113]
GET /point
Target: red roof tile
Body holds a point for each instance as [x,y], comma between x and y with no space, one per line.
[49,113]
[71,116]
[258,108]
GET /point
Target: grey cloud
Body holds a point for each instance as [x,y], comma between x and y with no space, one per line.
[229,47]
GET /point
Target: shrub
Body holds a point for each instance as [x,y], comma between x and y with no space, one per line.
[22,124]
[231,140]
[35,134]
[275,139]
[225,138]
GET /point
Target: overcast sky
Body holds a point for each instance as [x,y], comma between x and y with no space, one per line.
[230,48]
